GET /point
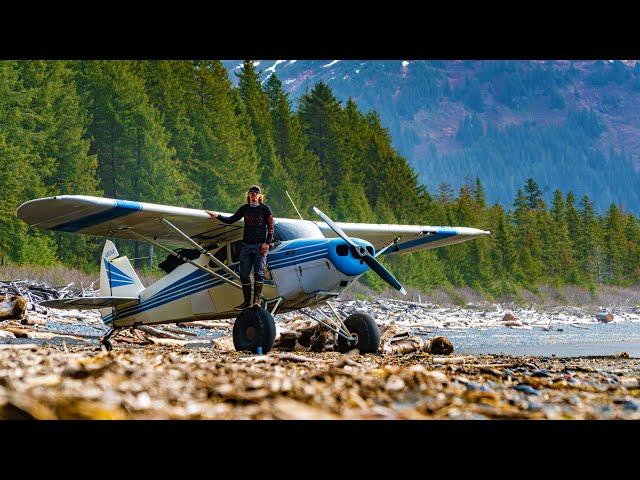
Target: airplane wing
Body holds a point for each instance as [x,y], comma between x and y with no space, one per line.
[106,217]
[412,237]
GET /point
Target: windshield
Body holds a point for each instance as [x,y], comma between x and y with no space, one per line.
[291,230]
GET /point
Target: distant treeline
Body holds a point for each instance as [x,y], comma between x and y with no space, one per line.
[179,133]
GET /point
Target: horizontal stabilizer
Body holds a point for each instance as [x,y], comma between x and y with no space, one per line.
[89,303]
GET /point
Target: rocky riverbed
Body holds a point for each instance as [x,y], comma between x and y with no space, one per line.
[51,367]
[174,382]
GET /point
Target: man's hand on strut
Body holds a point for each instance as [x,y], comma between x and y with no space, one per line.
[212,214]
[264,248]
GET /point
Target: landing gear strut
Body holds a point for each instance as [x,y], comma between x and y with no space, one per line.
[104,341]
[359,330]
[364,332]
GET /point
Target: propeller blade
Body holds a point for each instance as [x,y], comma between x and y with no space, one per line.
[368,259]
[384,273]
[335,228]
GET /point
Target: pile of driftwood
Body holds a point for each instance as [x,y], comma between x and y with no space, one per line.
[308,336]
[35,292]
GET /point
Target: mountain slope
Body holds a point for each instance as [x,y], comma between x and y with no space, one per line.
[572,125]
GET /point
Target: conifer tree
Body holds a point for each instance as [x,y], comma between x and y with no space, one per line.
[17,175]
[559,260]
[273,176]
[615,245]
[225,152]
[301,164]
[505,254]
[534,195]
[71,170]
[171,87]
[319,113]
[134,158]
[586,241]
[632,258]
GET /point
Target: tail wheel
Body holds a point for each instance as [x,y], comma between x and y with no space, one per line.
[364,328]
[254,327]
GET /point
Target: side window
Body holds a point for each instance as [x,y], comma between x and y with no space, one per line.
[235,251]
[221,255]
[276,233]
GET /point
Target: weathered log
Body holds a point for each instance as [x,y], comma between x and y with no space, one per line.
[297,358]
[178,331]
[12,307]
[31,319]
[438,346]
[451,360]
[18,332]
[154,332]
[287,340]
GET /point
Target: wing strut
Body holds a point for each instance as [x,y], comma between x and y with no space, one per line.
[167,249]
[202,250]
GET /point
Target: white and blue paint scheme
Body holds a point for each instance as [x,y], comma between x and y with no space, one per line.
[309,264]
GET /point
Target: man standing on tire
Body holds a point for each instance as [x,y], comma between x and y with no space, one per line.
[257,238]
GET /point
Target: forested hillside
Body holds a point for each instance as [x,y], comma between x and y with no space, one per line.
[571,125]
[181,133]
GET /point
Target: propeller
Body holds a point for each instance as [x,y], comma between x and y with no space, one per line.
[364,254]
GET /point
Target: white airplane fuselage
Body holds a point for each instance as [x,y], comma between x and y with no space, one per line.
[302,272]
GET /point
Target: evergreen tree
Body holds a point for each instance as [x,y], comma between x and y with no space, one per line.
[319,113]
[615,245]
[227,161]
[301,164]
[134,158]
[632,259]
[172,89]
[273,175]
[17,173]
[559,260]
[586,240]
[505,256]
[534,195]
[68,168]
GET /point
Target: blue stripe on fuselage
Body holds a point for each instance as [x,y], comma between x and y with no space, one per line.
[197,281]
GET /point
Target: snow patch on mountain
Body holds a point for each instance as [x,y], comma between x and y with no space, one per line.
[331,63]
[272,68]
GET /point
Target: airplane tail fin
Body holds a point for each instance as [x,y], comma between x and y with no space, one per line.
[117,277]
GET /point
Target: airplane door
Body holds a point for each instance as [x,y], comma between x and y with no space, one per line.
[223,295]
[314,276]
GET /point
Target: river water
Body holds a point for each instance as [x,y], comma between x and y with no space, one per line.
[567,341]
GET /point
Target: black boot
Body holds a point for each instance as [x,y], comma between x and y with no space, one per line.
[246,293]
[257,290]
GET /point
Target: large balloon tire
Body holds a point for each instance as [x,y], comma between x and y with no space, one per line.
[364,326]
[245,330]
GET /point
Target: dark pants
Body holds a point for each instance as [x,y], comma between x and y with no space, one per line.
[250,257]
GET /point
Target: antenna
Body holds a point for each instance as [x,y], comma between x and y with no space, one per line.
[294,205]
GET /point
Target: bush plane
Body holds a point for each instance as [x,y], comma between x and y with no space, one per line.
[310,263]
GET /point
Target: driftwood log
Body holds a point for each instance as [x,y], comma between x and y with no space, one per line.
[12,307]
[308,336]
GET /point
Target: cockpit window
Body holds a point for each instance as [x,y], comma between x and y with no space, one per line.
[292,230]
